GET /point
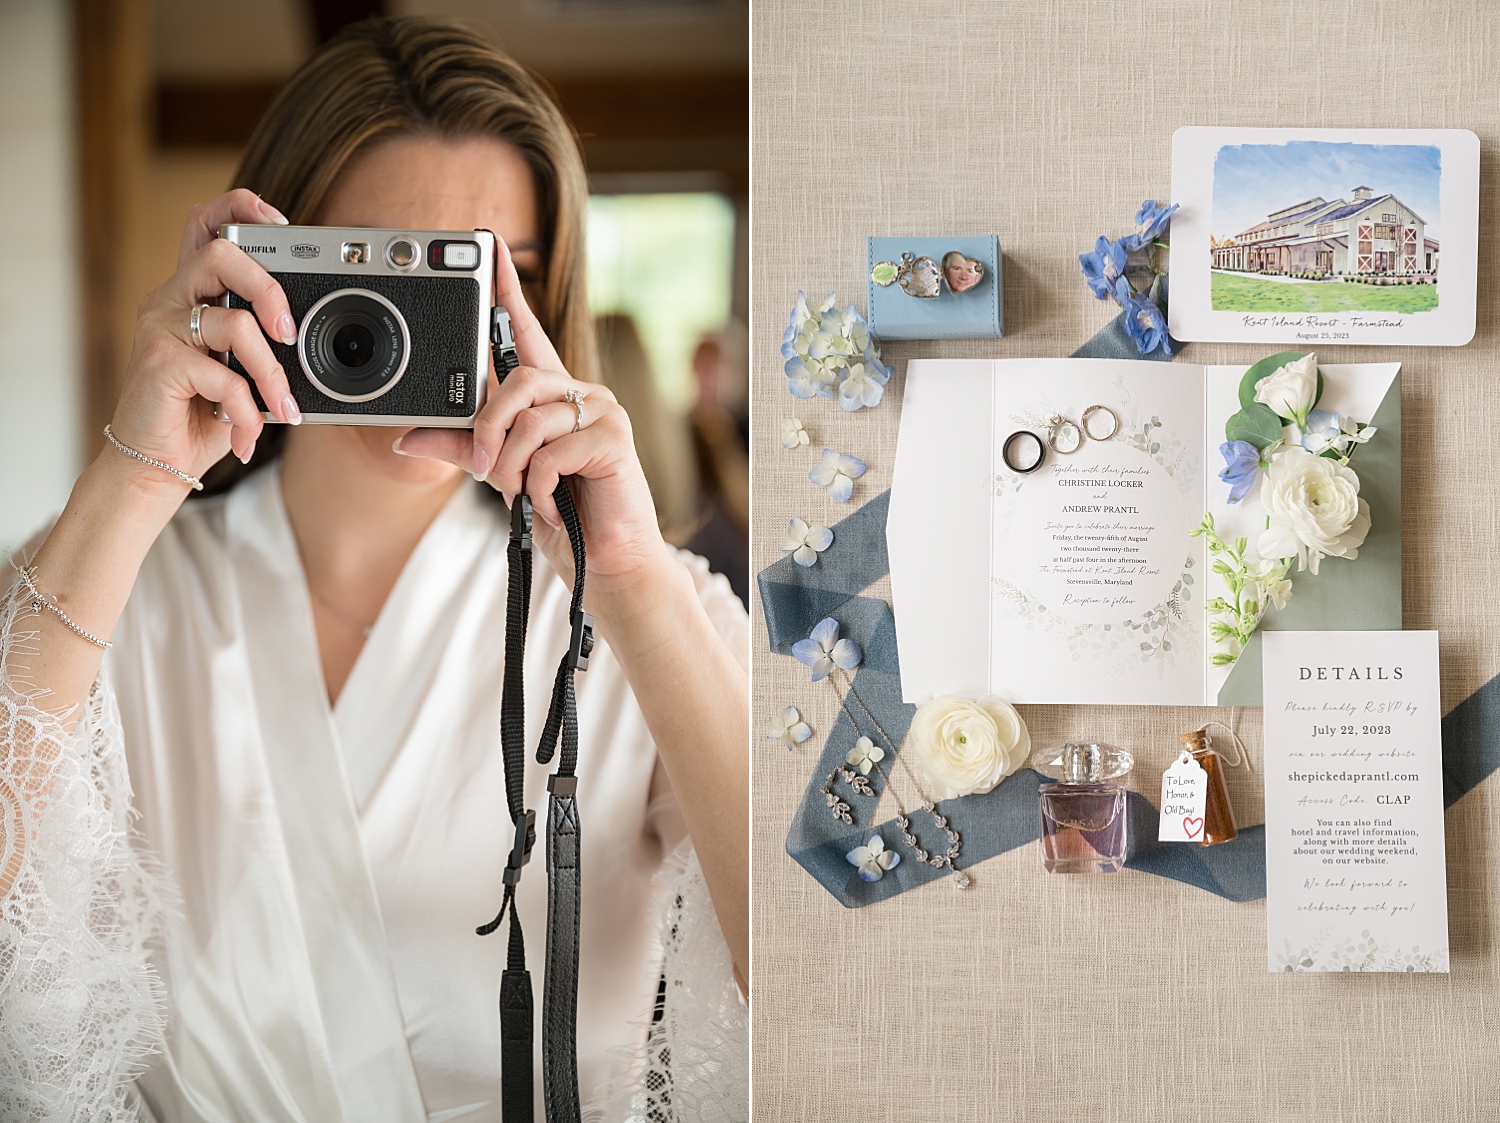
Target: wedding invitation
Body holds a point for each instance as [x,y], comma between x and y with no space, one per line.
[1078,583]
[1355,874]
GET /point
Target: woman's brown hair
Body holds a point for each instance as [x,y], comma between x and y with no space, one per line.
[386,78]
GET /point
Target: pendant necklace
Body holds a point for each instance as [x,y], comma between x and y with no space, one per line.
[841,810]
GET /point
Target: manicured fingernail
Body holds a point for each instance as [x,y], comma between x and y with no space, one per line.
[548,518]
[273,214]
[249,452]
[290,411]
[481,463]
[286,328]
[396,445]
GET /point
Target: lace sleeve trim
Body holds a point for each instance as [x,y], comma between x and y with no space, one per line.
[694,1063]
[80,1005]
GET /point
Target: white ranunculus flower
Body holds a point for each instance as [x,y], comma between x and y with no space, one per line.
[1291,390]
[1315,509]
[964,747]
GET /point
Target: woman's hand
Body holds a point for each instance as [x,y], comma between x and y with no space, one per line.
[523,441]
[166,405]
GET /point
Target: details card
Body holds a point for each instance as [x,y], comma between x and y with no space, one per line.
[1355,874]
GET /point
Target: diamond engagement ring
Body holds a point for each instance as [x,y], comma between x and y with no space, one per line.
[576,400]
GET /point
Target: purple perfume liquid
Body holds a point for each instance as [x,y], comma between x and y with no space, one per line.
[1085,827]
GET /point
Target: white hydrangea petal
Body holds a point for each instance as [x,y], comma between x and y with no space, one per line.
[800,732]
[819,537]
[841,488]
[823,473]
[805,555]
[851,466]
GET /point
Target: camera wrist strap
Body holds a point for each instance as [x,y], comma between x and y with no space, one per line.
[560,985]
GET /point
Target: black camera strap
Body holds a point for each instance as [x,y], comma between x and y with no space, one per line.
[560,987]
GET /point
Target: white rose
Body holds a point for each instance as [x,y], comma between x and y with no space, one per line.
[1315,509]
[1291,390]
[965,747]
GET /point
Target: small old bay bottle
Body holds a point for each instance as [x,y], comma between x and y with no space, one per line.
[1085,816]
[1218,812]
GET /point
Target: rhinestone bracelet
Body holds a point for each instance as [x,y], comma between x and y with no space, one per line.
[193,481]
[39,602]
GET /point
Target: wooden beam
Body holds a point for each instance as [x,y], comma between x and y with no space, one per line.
[332,16]
[618,108]
[111,43]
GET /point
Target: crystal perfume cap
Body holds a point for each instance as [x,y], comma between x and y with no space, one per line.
[1089,763]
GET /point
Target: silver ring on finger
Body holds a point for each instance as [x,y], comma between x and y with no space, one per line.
[576,399]
[195,326]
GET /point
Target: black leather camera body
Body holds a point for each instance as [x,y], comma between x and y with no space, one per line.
[392,325]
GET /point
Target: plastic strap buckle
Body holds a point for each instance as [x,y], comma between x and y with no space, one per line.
[520,853]
[560,785]
[581,646]
[520,521]
[502,343]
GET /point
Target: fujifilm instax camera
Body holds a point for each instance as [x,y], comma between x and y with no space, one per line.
[391,324]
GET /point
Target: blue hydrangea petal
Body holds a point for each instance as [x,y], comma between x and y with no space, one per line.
[847,654]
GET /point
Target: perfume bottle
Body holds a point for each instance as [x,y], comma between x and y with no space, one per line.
[1218,812]
[1085,820]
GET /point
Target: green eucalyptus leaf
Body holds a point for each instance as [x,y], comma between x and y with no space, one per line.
[1256,424]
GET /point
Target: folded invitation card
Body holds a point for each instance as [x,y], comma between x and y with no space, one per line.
[1323,236]
[1355,873]
[1078,582]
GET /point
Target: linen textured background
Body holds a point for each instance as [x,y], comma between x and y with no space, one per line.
[1129,997]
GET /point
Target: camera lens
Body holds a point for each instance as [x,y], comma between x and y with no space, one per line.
[354,345]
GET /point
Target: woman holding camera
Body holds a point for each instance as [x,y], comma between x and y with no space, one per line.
[258,831]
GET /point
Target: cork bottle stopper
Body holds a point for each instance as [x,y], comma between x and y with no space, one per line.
[1195,742]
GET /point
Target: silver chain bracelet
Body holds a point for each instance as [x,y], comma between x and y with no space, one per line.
[193,481]
[39,601]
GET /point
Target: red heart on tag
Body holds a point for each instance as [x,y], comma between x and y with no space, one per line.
[1191,825]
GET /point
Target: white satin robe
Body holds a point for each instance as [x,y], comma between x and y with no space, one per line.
[334,864]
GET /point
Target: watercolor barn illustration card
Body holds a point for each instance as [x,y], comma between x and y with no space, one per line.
[1324,236]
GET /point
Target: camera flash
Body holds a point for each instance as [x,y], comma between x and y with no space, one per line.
[460,255]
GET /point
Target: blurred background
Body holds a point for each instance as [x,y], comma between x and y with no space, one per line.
[118,115]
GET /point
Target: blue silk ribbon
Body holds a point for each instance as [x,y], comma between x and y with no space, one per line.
[794,598]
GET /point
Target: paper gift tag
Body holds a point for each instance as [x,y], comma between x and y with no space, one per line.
[1184,791]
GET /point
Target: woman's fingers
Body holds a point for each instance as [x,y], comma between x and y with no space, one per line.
[194,373]
[526,388]
[533,429]
[239,205]
[533,347]
[585,453]
[235,329]
[221,267]
[456,446]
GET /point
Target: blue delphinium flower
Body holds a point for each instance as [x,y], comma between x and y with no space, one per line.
[1241,463]
[1150,221]
[1143,320]
[823,650]
[1103,267]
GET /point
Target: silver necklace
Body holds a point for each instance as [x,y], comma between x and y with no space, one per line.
[841,810]
[347,621]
